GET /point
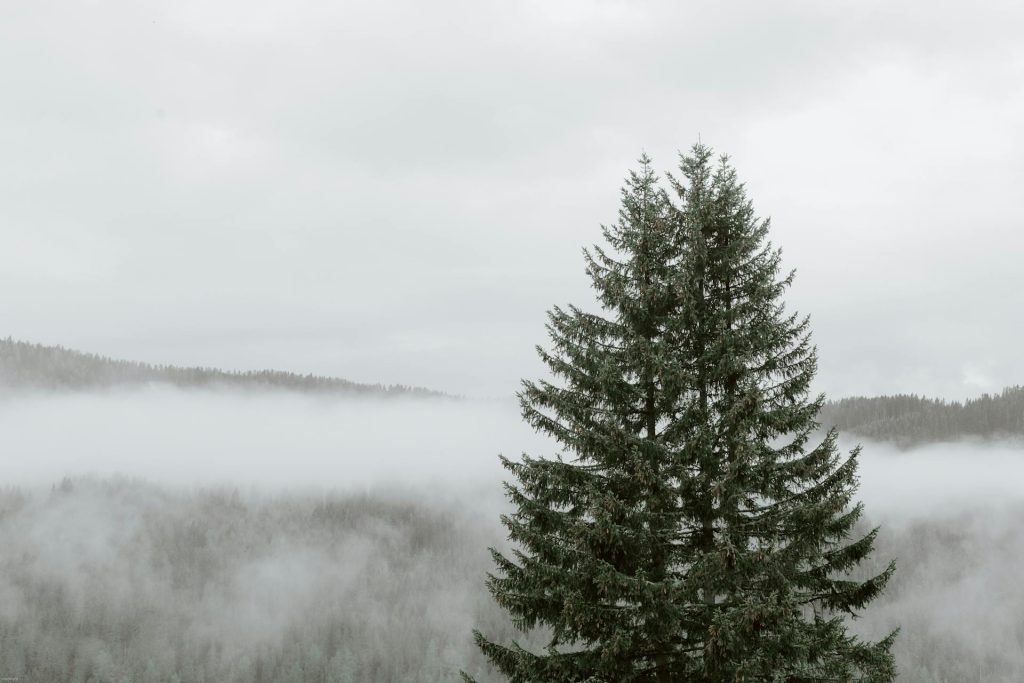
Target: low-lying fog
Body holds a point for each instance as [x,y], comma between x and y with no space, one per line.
[277,440]
[275,536]
[264,439]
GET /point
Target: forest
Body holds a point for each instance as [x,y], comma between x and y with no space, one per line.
[908,419]
[126,582]
[26,365]
[120,581]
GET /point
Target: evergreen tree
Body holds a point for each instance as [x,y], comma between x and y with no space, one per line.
[691,533]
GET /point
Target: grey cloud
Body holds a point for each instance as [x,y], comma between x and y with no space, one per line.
[396,192]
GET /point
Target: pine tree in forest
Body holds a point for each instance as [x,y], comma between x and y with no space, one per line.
[691,530]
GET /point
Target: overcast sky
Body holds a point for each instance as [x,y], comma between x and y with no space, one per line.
[397,191]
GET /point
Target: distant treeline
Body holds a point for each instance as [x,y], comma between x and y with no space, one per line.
[25,365]
[909,420]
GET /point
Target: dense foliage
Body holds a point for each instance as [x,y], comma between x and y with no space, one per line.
[25,365]
[690,532]
[126,582]
[122,582]
[910,420]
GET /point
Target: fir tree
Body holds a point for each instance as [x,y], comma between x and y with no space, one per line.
[691,532]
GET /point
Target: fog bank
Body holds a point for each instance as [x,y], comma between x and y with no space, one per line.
[256,439]
[276,440]
[128,580]
[940,480]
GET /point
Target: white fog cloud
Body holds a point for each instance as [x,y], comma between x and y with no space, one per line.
[274,441]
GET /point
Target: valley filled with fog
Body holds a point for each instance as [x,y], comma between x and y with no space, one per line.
[159,534]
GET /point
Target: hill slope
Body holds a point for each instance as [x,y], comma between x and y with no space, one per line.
[904,419]
[25,365]
[910,420]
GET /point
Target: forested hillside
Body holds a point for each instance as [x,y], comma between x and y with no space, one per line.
[25,365]
[117,581]
[909,420]
[123,582]
[904,419]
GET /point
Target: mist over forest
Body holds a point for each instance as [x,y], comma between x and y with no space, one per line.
[280,402]
[160,533]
